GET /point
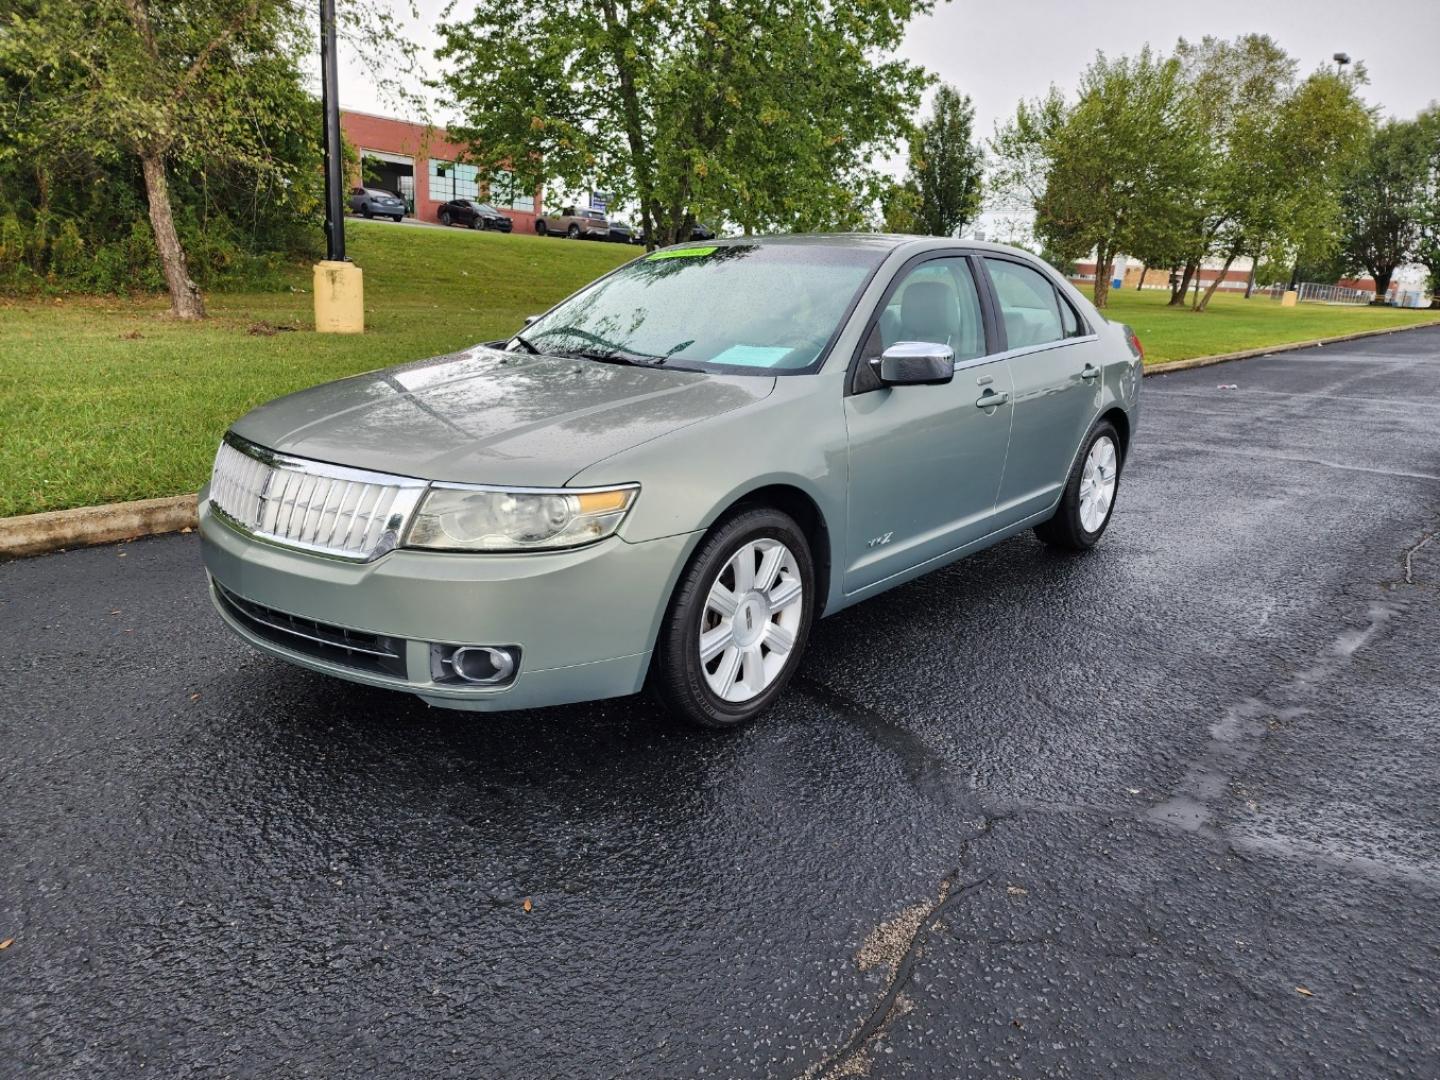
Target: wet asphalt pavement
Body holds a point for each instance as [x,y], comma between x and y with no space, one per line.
[1168,809]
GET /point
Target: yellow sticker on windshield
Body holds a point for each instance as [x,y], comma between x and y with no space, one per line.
[681,253]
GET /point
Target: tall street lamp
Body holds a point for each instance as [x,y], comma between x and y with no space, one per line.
[1341,59]
[339,284]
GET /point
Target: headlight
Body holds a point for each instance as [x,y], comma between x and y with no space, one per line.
[496,519]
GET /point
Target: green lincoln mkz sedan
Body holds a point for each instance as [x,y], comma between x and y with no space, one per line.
[666,478]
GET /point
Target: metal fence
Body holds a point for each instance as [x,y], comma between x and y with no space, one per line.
[1311,292]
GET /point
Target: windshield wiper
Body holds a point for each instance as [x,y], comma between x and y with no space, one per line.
[612,356]
[526,342]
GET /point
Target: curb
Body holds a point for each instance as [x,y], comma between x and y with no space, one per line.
[1290,346]
[36,534]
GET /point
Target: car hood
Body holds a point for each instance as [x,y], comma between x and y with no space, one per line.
[488,417]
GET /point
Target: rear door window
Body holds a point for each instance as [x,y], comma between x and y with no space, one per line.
[1029,305]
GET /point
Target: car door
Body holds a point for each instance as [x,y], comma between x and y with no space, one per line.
[357,198]
[925,461]
[1056,386]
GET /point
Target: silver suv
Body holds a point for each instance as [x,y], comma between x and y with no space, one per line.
[576,222]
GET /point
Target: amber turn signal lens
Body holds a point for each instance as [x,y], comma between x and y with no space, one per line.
[604,502]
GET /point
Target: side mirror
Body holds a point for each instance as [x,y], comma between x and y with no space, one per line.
[917,363]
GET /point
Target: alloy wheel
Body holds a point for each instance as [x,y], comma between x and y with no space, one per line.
[1097,484]
[751,618]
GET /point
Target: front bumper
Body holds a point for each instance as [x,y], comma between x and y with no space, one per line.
[585,620]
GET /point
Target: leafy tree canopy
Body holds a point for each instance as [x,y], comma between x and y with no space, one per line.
[760,113]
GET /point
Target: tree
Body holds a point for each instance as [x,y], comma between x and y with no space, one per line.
[1106,171]
[946,166]
[762,114]
[1381,205]
[1275,151]
[1428,250]
[170,88]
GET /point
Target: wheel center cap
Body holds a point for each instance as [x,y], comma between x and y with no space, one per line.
[750,619]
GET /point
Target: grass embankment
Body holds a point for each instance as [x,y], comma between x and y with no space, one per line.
[106,399]
[1233,323]
[103,400]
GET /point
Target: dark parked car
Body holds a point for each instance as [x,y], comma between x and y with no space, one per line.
[699,232]
[475,215]
[621,233]
[370,202]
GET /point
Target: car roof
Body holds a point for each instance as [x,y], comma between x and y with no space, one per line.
[870,242]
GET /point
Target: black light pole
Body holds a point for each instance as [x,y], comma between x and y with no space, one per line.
[1341,59]
[330,104]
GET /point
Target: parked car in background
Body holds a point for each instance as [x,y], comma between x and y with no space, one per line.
[474,215]
[621,233]
[376,202]
[576,222]
[699,232]
[665,479]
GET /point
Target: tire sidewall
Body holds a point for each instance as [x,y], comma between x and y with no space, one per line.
[678,672]
[1105,429]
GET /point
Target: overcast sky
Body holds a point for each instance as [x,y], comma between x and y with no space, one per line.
[1000,53]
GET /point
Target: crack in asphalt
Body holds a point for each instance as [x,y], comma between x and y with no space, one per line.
[1410,555]
[853,1059]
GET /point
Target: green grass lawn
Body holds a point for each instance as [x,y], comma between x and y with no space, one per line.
[1233,323]
[106,399]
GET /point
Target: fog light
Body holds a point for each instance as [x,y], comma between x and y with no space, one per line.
[484,665]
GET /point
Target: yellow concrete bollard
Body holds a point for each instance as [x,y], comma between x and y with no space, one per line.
[339,298]
[1288,300]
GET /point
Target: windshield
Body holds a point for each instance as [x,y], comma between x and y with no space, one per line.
[739,308]
[484,208]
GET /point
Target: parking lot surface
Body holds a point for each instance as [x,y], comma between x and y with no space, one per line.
[1171,808]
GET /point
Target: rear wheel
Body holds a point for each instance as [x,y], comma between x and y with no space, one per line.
[444,217]
[738,621]
[540,227]
[1089,495]
[399,217]
[573,232]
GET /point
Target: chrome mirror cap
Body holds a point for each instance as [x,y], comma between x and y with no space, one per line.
[917,363]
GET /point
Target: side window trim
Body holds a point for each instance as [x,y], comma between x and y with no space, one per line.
[988,324]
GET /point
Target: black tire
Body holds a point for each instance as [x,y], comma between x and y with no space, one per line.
[1065,530]
[540,227]
[445,218]
[399,218]
[365,212]
[573,232]
[677,676]
[476,223]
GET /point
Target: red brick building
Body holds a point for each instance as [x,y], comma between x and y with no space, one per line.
[421,165]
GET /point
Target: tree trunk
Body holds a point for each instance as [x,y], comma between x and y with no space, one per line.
[1250,281]
[1382,282]
[1204,301]
[1103,259]
[1144,269]
[1177,297]
[185,301]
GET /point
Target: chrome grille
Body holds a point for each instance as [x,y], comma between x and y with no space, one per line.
[328,509]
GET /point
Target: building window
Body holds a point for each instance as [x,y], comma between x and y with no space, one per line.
[508,193]
[449,180]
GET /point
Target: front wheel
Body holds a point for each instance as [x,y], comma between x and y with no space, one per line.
[1089,495]
[445,219]
[738,621]
[573,232]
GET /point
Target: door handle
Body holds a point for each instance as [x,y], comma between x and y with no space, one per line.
[1091,373]
[990,399]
